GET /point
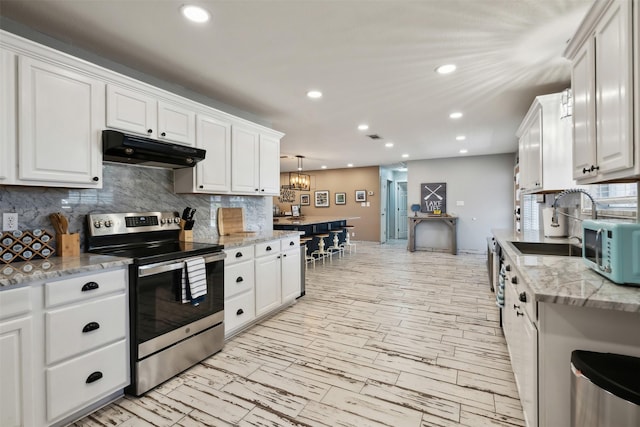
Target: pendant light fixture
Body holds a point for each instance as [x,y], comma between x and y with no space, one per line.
[298,180]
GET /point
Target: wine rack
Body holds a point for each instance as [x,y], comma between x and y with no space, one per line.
[26,245]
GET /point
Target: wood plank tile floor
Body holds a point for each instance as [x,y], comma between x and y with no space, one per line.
[384,337]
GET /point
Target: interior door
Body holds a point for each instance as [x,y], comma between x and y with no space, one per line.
[401,218]
[383,210]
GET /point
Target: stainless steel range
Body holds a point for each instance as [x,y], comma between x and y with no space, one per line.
[168,332]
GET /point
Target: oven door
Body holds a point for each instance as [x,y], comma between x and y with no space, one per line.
[160,318]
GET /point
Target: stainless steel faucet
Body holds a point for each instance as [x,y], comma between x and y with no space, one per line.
[554,217]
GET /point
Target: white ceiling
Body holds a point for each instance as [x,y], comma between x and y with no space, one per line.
[373,60]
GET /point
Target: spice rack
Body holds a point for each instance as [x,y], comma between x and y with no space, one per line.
[26,245]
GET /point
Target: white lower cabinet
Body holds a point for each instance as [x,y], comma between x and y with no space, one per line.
[62,352]
[268,277]
[16,354]
[259,279]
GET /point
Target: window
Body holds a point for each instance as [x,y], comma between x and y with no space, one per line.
[613,200]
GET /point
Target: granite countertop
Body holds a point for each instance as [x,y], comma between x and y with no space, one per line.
[310,220]
[18,274]
[566,280]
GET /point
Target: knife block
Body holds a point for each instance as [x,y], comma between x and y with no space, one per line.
[68,244]
[185,235]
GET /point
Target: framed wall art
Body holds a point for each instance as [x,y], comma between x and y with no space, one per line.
[322,199]
[341,198]
[304,199]
[361,195]
[434,198]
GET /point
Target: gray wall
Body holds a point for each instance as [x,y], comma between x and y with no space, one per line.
[483,183]
[128,189]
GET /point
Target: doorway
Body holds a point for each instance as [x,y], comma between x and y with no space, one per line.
[401,221]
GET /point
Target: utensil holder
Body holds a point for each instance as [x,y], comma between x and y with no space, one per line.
[68,244]
[185,235]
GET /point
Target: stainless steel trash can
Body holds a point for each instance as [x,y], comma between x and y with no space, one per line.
[605,390]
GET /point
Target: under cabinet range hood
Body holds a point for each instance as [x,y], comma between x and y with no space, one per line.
[124,148]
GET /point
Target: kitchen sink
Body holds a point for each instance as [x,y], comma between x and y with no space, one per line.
[557,249]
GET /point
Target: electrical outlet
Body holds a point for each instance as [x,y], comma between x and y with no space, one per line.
[9,221]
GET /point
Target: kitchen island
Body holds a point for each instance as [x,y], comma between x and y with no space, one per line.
[310,226]
[552,306]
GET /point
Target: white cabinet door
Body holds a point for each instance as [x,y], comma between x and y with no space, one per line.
[584,131]
[176,123]
[534,151]
[268,288]
[245,155]
[269,166]
[8,140]
[131,111]
[290,274]
[614,85]
[16,394]
[214,172]
[60,118]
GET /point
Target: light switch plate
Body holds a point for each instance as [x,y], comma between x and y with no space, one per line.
[460,203]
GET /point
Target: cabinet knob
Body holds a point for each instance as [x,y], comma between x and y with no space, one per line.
[239,312]
[262,189]
[595,168]
[95,179]
[268,248]
[514,280]
[507,267]
[163,134]
[585,170]
[94,377]
[239,279]
[292,243]
[516,307]
[202,186]
[522,297]
[90,286]
[257,189]
[91,326]
[149,131]
[238,254]
[519,313]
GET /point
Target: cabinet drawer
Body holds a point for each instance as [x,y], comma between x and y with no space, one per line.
[238,311]
[84,287]
[238,255]
[289,243]
[238,278]
[15,302]
[267,248]
[73,384]
[74,330]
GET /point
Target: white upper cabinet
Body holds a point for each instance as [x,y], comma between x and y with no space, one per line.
[602,53]
[213,174]
[245,157]
[269,165]
[7,116]
[545,147]
[60,117]
[141,113]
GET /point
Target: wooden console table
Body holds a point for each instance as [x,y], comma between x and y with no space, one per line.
[451,221]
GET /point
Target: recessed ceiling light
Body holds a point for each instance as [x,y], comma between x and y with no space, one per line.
[350,165]
[405,156]
[446,69]
[389,144]
[464,151]
[195,13]
[363,127]
[323,167]
[314,94]
[460,138]
[455,115]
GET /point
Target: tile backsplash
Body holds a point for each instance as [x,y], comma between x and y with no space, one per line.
[128,188]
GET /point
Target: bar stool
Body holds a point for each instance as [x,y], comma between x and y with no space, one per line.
[336,243]
[307,258]
[347,240]
[321,253]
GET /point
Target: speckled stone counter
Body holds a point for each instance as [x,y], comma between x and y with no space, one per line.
[566,280]
[25,273]
[19,274]
[245,239]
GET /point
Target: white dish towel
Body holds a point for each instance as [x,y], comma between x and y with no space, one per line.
[194,281]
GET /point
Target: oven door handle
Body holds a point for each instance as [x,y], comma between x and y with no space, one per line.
[163,267]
